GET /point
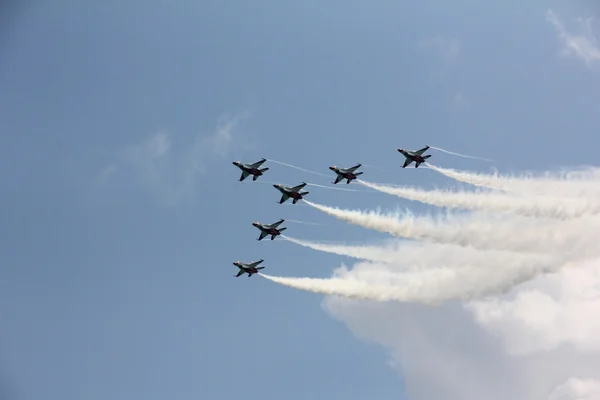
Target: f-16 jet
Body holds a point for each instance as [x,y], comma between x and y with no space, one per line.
[346,173]
[251,169]
[414,156]
[293,192]
[249,269]
[272,229]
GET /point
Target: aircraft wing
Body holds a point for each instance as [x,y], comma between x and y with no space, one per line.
[407,163]
[254,264]
[244,175]
[258,163]
[296,188]
[240,273]
[419,152]
[276,224]
[262,235]
[357,166]
[338,179]
[284,197]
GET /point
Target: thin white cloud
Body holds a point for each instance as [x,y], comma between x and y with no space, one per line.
[222,139]
[447,49]
[169,173]
[577,389]
[460,101]
[583,46]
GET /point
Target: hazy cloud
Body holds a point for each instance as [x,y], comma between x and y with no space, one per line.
[460,101]
[170,173]
[447,50]
[583,46]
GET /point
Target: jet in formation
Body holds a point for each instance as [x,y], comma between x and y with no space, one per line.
[414,156]
[249,269]
[251,169]
[272,229]
[346,173]
[291,192]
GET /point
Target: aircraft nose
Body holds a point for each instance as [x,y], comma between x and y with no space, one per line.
[275,186]
[332,168]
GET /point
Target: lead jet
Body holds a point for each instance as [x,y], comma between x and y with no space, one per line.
[293,192]
[272,229]
[249,269]
[251,169]
[346,173]
[414,156]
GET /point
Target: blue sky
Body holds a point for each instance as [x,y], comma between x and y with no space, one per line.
[122,212]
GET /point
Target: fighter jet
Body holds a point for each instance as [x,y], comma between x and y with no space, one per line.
[346,173]
[249,269]
[251,169]
[272,229]
[415,156]
[293,192]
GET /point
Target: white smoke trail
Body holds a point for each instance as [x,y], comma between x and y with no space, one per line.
[585,184]
[336,188]
[528,206]
[481,231]
[298,168]
[480,265]
[489,181]
[304,222]
[418,256]
[460,155]
[431,286]
[377,168]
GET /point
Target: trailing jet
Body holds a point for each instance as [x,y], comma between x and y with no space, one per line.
[346,173]
[416,156]
[251,169]
[249,269]
[272,229]
[293,192]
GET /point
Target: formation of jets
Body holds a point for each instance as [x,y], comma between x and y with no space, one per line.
[296,193]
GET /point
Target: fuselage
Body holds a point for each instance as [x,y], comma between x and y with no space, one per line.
[411,156]
[288,191]
[248,168]
[245,268]
[346,174]
[266,228]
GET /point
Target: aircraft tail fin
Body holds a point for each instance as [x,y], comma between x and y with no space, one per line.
[358,173]
[427,156]
[264,169]
[258,268]
[304,193]
[282,229]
